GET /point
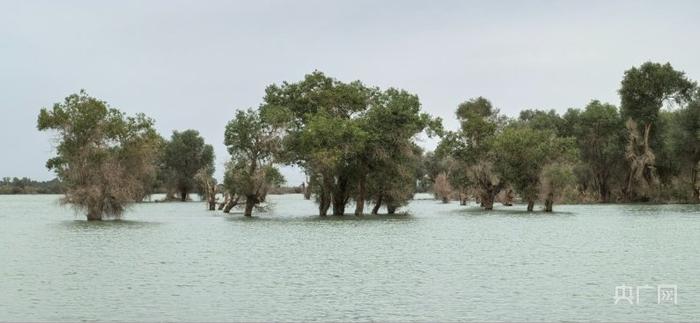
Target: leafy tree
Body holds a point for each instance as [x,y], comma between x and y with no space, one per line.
[471,147]
[600,136]
[186,155]
[390,160]
[252,143]
[521,155]
[644,91]
[321,134]
[105,160]
[545,120]
[349,139]
[684,142]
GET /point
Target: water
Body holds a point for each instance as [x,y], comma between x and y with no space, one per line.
[177,261]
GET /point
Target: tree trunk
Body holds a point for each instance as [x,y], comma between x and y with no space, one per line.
[530,205]
[307,191]
[339,196]
[694,181]
[377,205]
[462,198]
[603,191]
[360,200]
[324,203]
[231,203]
[249,204]
[487,201]
[549,203]
[508,199]
[183,195]
[94,216]
[224,202]
[338,207]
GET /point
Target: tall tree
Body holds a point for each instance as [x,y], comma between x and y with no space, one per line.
[389,160]
[186,155]
[322,135]
[521,155]
[600,136]
[684,140]
[252,143]
[644,91]
[471,146]
[105,159]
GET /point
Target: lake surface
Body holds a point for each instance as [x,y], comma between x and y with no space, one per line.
[442,262]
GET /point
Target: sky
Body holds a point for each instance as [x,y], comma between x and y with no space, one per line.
[192,64]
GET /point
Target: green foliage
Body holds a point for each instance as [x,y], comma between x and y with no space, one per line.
[521,154]
[184,156]
[600,135]
[105,159]
[252,143]
[353,141]
[645,89]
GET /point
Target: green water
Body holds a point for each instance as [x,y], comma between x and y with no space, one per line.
[173,261]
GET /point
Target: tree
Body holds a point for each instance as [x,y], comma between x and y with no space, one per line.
[600,136]
[105,159]
[349,139]
[252,143]
[643,92]
[521,155]
[322,134]
[186,155]
[442,188]
[388,165]
[684,143]
[471,147]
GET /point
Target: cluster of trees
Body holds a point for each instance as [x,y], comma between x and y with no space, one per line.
[639,152]
[106,160]
[356,144]
[26,185]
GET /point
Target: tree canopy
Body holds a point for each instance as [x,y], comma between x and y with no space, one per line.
[104,159]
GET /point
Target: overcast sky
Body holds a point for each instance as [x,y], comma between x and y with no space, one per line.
[191,64]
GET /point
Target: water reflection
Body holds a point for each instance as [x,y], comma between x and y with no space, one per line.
[84,225]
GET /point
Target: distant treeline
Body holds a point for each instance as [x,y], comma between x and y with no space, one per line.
[26,185]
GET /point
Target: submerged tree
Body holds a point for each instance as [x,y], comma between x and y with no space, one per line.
[348,138]
[185,156]
[684,142]
[644,91]
[522,154]
[252,143]
[471,147]
[105,160]
[599,131]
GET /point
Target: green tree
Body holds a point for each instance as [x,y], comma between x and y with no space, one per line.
[322,135]
[252,143]
[390,160]
[600,137]
[186,155]
[349,139]
[521,153]
[471,147]
[104,159]
[684,142]
[644,91]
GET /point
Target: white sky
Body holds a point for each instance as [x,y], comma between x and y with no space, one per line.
[191,64]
